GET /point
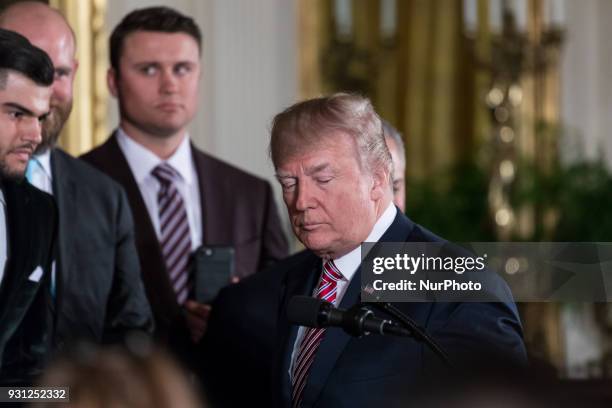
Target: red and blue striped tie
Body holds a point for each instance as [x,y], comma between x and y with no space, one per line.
[327,290]
[175,238]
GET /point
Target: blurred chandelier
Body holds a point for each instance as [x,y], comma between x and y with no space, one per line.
[515,43]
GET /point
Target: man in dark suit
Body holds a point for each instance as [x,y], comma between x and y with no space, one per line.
[28,217]
[98,290]
[181,197]
[237,351]
[335,170]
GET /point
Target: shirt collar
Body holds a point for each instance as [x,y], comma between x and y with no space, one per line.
[2,198]
[348,264]
[44,160]
[142,161]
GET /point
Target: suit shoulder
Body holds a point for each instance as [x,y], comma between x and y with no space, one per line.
[422,234]
[267,280]
[99,156]
[293,262]
[84,173]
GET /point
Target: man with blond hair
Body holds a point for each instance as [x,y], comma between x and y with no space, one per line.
[333,165]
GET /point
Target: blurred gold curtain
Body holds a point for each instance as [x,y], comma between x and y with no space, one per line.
[420,78]
[87,124]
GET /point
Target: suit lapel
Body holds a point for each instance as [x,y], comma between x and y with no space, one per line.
[19,250]
[208,217]
[298,281]
[336,339]
[151,258]
[330,349]
[65,194]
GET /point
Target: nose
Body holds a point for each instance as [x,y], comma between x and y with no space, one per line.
[169,82]
[32,131]
[304,198]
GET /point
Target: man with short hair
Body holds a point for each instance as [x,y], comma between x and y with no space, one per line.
[395,144]
[181,197]
[98,291]
[335,171]
[28,218]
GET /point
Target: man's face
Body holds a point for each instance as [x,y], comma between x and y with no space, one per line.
[399,178]
[157,83]
[57,41]
[23,105]
[329,197]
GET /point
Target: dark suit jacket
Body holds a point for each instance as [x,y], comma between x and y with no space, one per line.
[100,295]
[382,371]
[238,210]
[25,303]
[238,349]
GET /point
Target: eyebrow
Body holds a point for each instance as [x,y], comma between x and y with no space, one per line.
[317,169]
[23,109]
[310,171]
[153,62]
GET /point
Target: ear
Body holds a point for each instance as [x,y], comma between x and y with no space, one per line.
[111,81]
[75,67]
[381,184]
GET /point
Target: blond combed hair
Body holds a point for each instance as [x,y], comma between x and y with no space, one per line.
[311,122]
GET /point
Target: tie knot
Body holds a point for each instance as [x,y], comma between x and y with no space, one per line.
[164,173]
[331,272]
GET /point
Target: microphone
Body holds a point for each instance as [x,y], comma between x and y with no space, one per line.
[357,321]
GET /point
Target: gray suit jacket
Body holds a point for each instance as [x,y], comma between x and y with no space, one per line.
[100,294]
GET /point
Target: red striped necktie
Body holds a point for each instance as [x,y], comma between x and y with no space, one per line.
[327,290]
[175,238]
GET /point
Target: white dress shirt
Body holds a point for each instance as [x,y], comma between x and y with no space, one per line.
[3,236]
[142,162]
[41,176]
[347,265]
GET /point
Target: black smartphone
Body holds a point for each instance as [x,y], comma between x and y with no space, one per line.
[213,267]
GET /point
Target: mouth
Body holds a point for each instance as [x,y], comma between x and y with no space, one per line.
[168,107]
[311,226]
[23,153]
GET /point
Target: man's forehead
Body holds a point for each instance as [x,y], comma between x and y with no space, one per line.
[154,46]
[38,24]
[153,38]
[332,143]
[22,91]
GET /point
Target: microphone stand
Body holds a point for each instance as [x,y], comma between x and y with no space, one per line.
[413,329]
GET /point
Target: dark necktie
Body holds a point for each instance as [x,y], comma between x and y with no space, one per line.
[175,239]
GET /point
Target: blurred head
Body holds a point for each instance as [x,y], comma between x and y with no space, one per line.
[155,70]
[118,379]
[395,143]
[335,171]
[26,74]
[47,29]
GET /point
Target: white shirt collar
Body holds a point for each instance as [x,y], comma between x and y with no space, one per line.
[348,264]
[142,161]
[45,162]
[2,198]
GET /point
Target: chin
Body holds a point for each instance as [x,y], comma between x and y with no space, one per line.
[11,175]
[317,245]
